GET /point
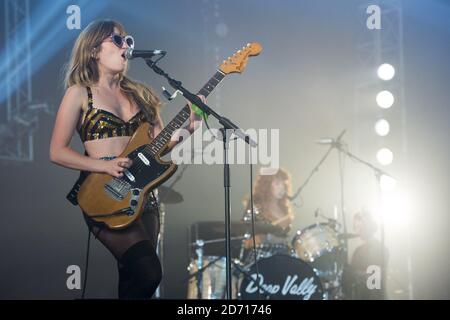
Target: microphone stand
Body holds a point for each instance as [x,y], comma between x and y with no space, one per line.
[314,170]
[334,144]
[227,125]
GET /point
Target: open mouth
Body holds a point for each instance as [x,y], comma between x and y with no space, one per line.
[123,56]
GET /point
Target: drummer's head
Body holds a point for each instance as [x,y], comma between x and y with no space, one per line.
[276,186]
[364,224]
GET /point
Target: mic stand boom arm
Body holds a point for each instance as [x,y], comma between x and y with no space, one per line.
[315,169]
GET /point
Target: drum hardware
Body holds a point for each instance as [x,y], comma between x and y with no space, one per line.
[215,286]
[214,281]
[165,195]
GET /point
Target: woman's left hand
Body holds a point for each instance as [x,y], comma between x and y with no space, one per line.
[194,116]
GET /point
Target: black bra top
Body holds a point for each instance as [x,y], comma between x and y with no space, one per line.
[98,123]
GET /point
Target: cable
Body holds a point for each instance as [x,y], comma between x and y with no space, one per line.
[86,264]
[253,220]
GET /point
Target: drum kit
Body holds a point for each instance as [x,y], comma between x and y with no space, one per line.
[311,265]
[308,267]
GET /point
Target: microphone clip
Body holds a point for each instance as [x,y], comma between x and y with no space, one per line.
[170,96]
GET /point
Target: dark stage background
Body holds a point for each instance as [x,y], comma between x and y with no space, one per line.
[303,83]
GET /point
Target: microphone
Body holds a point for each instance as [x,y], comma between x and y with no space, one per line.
[131,53]
[316,213]
[331,140]
[325,141]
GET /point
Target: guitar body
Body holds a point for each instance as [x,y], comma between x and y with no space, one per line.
[102,202]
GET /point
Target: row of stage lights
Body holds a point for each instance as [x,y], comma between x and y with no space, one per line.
[385,99]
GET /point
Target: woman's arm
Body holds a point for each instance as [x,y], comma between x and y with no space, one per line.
[65,124]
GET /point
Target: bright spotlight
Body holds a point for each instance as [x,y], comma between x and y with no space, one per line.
[386,71]
[385,156]
[395,210]
[382,127]
[387,184]
[385,99]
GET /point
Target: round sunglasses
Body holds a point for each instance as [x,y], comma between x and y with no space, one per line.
[118,40]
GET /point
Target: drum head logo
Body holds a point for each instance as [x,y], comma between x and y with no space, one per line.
[292,286]
[281,277]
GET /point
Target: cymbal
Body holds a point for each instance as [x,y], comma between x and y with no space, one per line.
[262,227]
[168,195]
[347,236]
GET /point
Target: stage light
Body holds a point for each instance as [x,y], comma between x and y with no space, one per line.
[385,99]
[385,156]
[387,183]
[382,127]
[395,210]
[386,71]
[44,37]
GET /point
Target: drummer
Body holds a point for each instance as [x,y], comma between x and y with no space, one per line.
[271,205]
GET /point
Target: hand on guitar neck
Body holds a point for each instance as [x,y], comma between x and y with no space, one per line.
[194,123]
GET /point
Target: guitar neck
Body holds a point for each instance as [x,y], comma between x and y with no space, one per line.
[164,136]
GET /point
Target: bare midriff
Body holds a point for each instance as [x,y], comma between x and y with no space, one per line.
[113,146]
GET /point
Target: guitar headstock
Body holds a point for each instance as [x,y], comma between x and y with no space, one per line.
[238,61]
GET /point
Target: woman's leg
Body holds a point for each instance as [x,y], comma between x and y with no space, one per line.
[135,250]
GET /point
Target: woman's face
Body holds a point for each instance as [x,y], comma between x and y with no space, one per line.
[278,189]
[110,56]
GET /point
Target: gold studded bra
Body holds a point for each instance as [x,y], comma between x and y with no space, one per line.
[98,123]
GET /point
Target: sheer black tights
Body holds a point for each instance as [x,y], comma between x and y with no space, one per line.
[134,248]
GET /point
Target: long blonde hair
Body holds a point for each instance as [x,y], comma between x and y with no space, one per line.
[82,68]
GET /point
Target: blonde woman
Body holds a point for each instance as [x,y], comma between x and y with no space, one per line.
[106,107]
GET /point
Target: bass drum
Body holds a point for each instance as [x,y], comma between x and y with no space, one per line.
[280,277]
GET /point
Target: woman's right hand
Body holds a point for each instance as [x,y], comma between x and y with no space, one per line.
[115,167]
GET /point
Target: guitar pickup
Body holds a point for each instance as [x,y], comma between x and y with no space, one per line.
[143,159]
[129,175]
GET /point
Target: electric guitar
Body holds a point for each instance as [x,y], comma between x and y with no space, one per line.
[118,202]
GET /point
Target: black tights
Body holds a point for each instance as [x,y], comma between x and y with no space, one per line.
[134,248]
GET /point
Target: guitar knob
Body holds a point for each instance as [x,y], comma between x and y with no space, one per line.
[135,192]
[133,203]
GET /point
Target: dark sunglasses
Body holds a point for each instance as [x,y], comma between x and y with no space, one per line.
[118,40]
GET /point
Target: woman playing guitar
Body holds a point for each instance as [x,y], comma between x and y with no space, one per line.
[106,107]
